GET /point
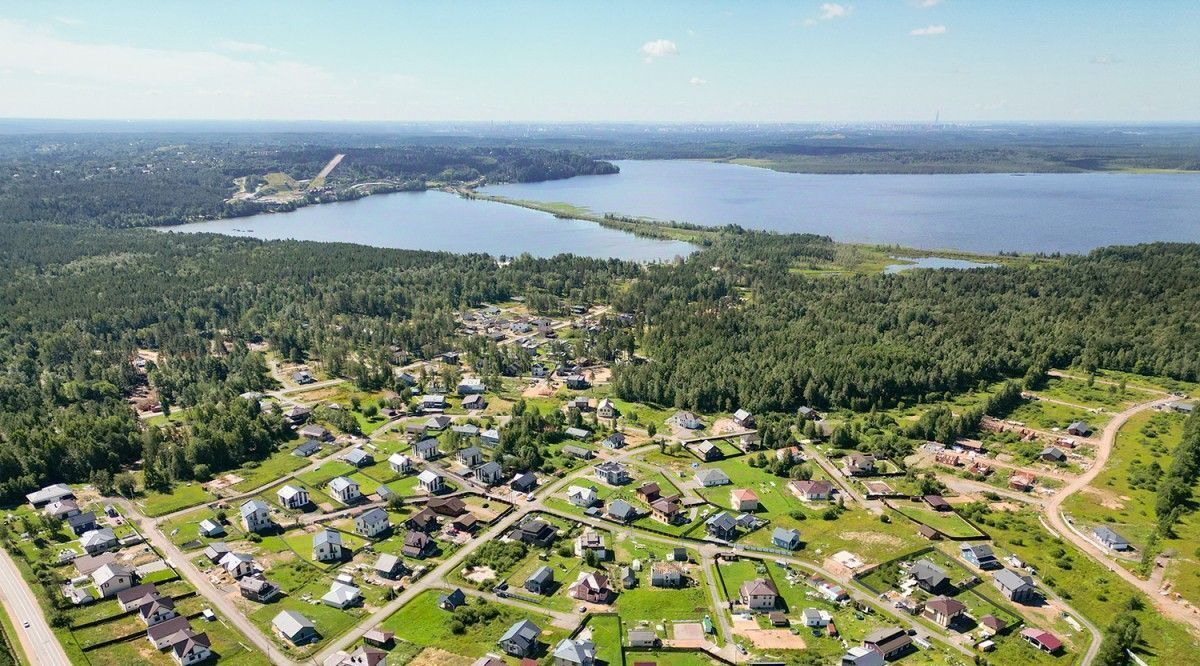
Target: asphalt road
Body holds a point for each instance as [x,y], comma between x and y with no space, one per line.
[38,642]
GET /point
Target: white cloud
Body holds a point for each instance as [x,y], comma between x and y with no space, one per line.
[926,4]
[832,10]
[928,31]
[659,48]
[234,46]
[697,81]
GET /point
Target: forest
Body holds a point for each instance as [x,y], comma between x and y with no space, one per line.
[733,326]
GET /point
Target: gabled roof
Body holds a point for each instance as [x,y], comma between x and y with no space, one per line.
[712,474]
[621,509]
[341,483]
[522,631]
[97,537]
[373,515]
[542,575]
[1011,580]
[327,536]
[575,652]
[780,534]
[341,594]
[758,587]
[253,506]
[291,623]
[946,606]
[387,562]
[722,521]
[929,573]
[428,476]
[110,571]
[289,491]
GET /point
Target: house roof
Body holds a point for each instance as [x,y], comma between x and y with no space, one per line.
[744,495]
[946,606]
[455,597]
[929,573]
[522,631]
[341,594]
[621,509]
[992,622]
[722,521]
[470,452]
[399,460]
[781,534]
[387,562]
[490,468]
[110,571]
[291,623]
[168,628]
[812,486]
[542,575]
[356,455]
[341,484]
[426,443]
[757,587]
[428,476]
[288,492]
[136,592]
[1010,580]
[575,652]
[712,475]
[1107,535]
[1047,639]
[373,515]
[649,489]
[253,506]
[97,537]
[50,493]
[327,536]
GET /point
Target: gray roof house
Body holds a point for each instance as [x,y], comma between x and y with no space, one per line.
[783,538]
[1014,586]
[1110,539]
[294,627]
[712,477]
[521,639]
[929,576]
[574,653]
[541,581]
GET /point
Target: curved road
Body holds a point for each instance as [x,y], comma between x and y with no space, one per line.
[1054,517]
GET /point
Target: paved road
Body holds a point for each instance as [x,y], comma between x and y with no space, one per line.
[38,642]
[1054,517]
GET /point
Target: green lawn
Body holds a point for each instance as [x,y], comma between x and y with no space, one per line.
[258,473]
[1048,416]
[1098,395]
[330,622]
[946,522]
[186,527]
[181,496]
[607,635]
[326,472]
[420,621]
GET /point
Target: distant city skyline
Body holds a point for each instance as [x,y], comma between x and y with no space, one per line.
[699,62]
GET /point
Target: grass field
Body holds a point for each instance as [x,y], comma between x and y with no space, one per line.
[181,496]
[946,522]
[258,473]
[1049,416]
[420,621]
[1145,381]
[1098,395]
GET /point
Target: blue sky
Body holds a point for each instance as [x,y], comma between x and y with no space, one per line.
[979,60]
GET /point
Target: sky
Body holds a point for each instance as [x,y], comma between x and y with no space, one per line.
[799,61]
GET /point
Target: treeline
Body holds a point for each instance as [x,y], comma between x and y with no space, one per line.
[120,180]
[736,327]
[1174,497]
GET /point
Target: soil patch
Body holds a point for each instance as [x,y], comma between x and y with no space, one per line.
[438,657]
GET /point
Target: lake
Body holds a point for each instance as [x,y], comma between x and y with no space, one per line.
[436,220]
[973,212]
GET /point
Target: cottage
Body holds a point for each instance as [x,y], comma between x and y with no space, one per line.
[708,452]
[577,382]
[314,431]
[521,639]
[426,449]
[358,457]
[62,509]
[743,499]
[297,414]
[937,503]
[372,522]
[341,596]
[210,528]
[111,579]
[424,520]
[538,371]
[490,436]
[712,477]
[613,473]
[1022,481]
[648,492]
[400,463]
[365,656]
[862,656]
[581,434]
[294,627]
[1053,454]
[433,401]
[784,538]
[327,546]
[536,532]
[1079,429]
[256,515]
[447,506]
[293,497]
[815,617]
[1041,639]
[686,420]
[489,473]
[389,566]
[643,639]
[161,634]
[237,565]
[666,510]
[306,448]
[891,642]
[859,464]
[452,599]
[378,638]
[471,386]
[605,409]
[811,489]
[591,541]
[82,522]
[574,653]
[437,423]
[758,595]
[303,377]
[666,574]
[980,555]
[743,418]
[1110,539]
[579,402]
[523,482]
[470,456]
[721,526]
[345,490]
[257,588]
[808,413]
[474,403]
[929,576]
[944,611]
[621,511]
[132,598]
[1015,587]
[541,581]
[98,541]
[431,482]
[592,587]
[581,497]
[577,452]
[215,551]
[614,441]
[191,648]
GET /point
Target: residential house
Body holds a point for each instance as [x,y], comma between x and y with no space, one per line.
[490,436]
[577,382]
[237,565]
[721,526]
[815,617]
[62,509]
[257,588]
[489,473]
[306,448]
[858,655]
[648,492]
[582,497]
[521,639]
[431,482]
[1053,454]
[591,541]
[605,409]
[256,515]
[944,611]
[210,528]
[614,441]
[621,511]
[215,551]
[536,532]
[538,371]
[577,452]
[1110,539]
[389,566]
[980,554]
[314,431]
[758,595]
[666,574]
[437,423]
[666,509]
[743,499]
[345,490]
[379,638]
[711,477]
[161,634]
[523,482]
[111,579]
[708,451]
[1022,481]
[155,609]
[426,449]
[581,403]
[613,473]
[811,490]
[470,456]
[1041,639]
[433,401]
[54,493]
[98,541]
[643,639]
[297,414]
[570,652]
[990,625]
[358,457]
[891,642]
[471,386]
[133,598]
[365,656]
[294,627]
[424,520]
[784,538]
[1079,429]
[808,413]
[341,595]
[451,600]
[418,545]
[541,581]
[592,587]
[743,418]
[1015,587]
[82,522]
[467,430]
[686,420]
[327,546]
[937,503]
[372,522]
[581,434]
[929,576]
[859,464]
[400,463]
[447,506]
[303,377]
[191,648]
[293,497]
[474,403]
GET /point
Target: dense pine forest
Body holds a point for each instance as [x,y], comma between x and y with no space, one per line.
[734,325]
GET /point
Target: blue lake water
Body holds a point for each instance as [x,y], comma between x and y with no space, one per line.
[439,221]
[973,212]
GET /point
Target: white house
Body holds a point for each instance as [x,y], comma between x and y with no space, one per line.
[327,546]
[345,490]
[291,497]
[111,579]
[237,564]
[341,595]
[426,449]
[605,409]
[256,515]
[581,497]
[431,482]
[400,463]
[372,522]
[192,648]
[210,528]
[490,436]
